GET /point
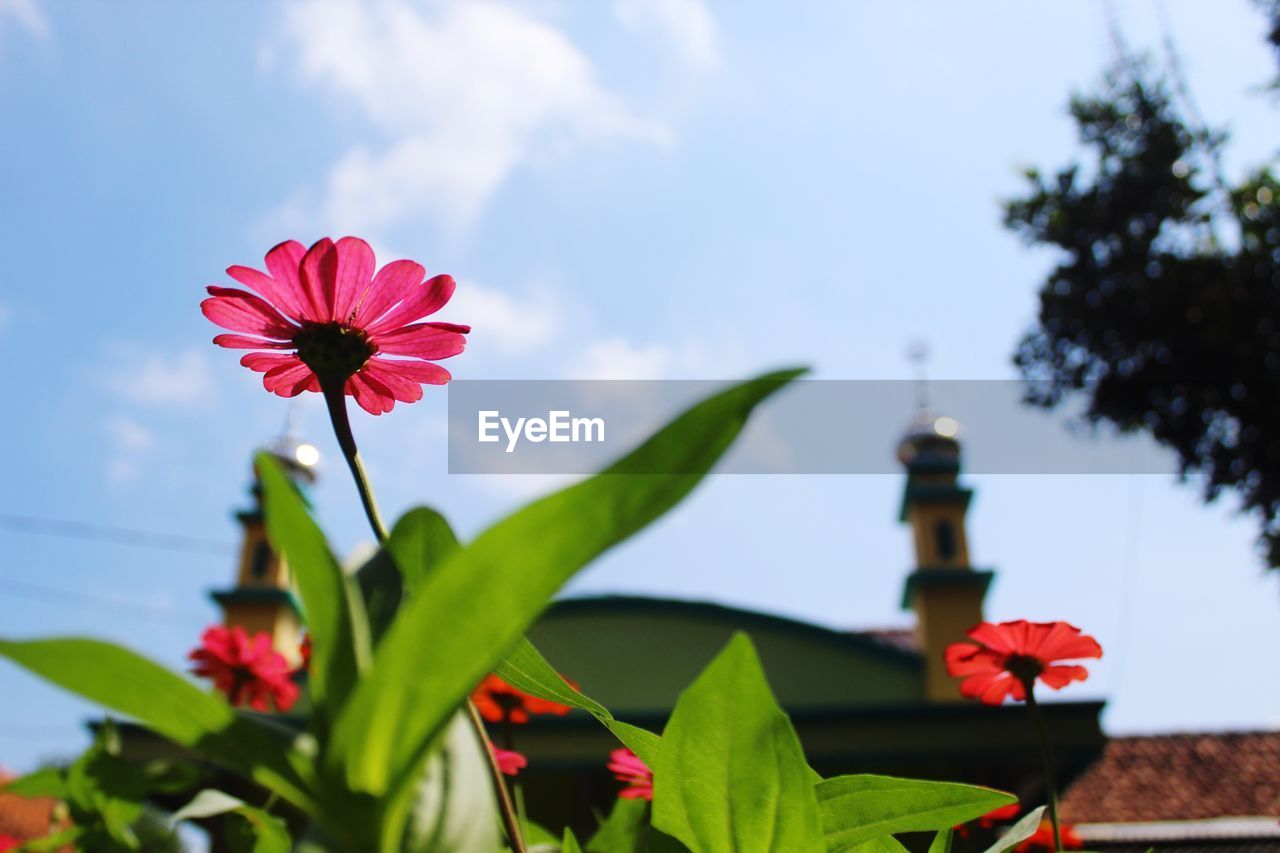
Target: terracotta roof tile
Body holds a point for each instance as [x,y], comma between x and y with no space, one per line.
[1179,777]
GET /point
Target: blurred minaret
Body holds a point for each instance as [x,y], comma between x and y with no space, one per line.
[944,590]
[262,599]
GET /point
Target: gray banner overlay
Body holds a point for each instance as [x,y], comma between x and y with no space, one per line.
[811,426]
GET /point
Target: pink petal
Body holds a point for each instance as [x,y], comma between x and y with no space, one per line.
[423,372]
[242,342]
[401,387]
[392,283]
[1060,676]
[261,362]
[287,380]
[422,340]
[352,279]
[241,311]
[427,298]
[280,297]
[319,271]
[370,395]
[283,262]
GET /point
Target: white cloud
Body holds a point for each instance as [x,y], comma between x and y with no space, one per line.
[130,441]
[468,90]
[616,357]
[27,14]
[686,24]
[161,379]
[510,325]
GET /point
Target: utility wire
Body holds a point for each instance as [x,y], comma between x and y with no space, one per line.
[120,535]
[78,598]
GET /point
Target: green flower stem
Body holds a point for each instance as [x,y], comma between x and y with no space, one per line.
[1046,753]
[335,399]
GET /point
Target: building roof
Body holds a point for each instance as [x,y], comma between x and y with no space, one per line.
[1180,777]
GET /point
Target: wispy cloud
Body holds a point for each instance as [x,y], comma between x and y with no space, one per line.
[467,91]
[27,14]
[510,324]
[156,378]
[129,441]
[686,24]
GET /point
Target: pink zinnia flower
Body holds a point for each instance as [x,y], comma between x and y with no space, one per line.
[509,761]
[340,319]
[247,670]
[1007,658]
[8,842]
[627,767]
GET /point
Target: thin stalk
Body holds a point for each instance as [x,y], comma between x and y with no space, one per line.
[335,399]
[1046,753]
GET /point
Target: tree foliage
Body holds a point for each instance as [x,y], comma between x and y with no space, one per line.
[1163,312]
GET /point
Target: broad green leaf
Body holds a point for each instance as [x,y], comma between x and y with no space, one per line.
[452,808]
[731,774]
[420,541]
[474,607]
[941,842]
[623,831]
[46,782]
[1019,832]
[858,808]
[260,832]
[526,668]
[170,705]
[883,844]
[334,610]
[570,843]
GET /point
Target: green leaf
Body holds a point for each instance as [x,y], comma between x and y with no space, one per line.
[731,774]
[858,808]
[883,844]
[260,831]
[526,668]
[1019,832]
[941,842]
[334,610]
[476,605]
[452,808]
[420,541]
[170,705]
[46,782]
[623,831]
[570,844]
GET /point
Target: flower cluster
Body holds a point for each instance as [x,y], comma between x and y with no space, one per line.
[1006,659]
[990,820]
[1042,840]
[245,669]
[340,320]
[509,761]
[627,768]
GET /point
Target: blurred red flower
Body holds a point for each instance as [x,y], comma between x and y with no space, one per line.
[339,317]
[1004,814]
[499,702]
[247,670]
[1007,658]
[628,768]
[509,761]
[8,842]
[1042,840]
[304,652]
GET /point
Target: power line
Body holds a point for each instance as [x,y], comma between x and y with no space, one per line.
[78,598]
[119,535]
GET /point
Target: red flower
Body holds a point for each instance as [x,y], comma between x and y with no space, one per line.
[327,305]
[990,819]
[1042,840]
[8,842]
[248,671]
[509,761]
[1007,658]
[499,702]
[304,652]
[627,767]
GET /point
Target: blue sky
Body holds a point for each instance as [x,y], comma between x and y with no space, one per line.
[673,189]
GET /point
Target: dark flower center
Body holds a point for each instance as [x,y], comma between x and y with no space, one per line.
[1024,667]
[332,351]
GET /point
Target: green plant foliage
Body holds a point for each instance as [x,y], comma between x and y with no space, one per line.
[731,774]
[858,808]
[883,844]
[623,830]
[526,668]
[941,842]
[471,609]
[1019,832]
[334,610]
[570,843]
[453,809]
[256,830]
